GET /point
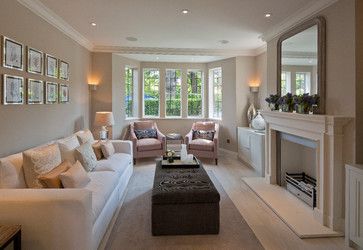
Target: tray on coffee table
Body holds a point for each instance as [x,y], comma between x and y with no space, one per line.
[178,163]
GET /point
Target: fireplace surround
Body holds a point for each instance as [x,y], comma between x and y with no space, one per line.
[327,132]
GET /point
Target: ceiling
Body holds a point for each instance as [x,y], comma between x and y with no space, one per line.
[160,23]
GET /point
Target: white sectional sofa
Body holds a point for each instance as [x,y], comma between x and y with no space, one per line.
[68,218]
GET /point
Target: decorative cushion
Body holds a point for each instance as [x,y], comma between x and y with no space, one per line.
[86,156]
[146,133]
[97,150]
[203,134]
[85,136]
[107,149]
[51,179]
[201,145]
[38,161]
[67,148]
[74,177]
[8,175]
[148,144]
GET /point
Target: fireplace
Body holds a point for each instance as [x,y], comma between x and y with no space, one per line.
[319,138]
[296,166]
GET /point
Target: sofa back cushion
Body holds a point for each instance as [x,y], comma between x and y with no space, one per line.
[206,126]
[143,125]
[67,148]
[38,161]
[11,172]
[85,136]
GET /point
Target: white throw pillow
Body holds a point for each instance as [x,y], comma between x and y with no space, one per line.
[86,156]
[85,136]
[75,177]
[67,148]
[38,161]
[9,178]
[107,149]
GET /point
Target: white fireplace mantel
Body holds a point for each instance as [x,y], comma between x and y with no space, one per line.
[327,132]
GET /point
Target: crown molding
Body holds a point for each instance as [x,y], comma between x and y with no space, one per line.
[299,16]
[177,51]
[52,18]
[260,50]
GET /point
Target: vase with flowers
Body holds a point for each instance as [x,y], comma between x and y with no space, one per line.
[286,103]
[272,102]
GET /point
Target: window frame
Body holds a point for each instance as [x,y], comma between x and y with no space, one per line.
[143,93]
[181,94]
[134,91]
[202,94]
[211,93]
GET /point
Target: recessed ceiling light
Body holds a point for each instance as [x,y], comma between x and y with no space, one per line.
[157,58]
[131,39]
[268,15]
[224,41]
[93,24]
[185,11]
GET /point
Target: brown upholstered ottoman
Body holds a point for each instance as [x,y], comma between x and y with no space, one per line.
[184,202]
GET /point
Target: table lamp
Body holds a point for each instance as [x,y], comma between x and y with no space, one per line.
[103,120]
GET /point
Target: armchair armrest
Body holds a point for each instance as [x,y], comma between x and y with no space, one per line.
[133,138]
[215,139]
[50,218]
[122,146]
[188,137]
[161,137]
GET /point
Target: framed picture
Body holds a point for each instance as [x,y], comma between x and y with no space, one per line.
[13,90]
[51,66]
[63,70]
[63,93]
[35,92]
[35,61]
[12,54]
[51,92]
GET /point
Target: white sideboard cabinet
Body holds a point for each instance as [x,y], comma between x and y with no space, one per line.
[354,205]
[251,148]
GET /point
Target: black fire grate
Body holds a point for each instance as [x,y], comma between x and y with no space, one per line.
[303,186]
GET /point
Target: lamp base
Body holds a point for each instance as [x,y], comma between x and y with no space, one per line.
[103,133]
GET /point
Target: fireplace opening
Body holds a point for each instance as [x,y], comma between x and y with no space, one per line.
[297,166]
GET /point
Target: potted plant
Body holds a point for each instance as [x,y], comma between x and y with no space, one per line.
[272,101]
[305,103]
[286,103]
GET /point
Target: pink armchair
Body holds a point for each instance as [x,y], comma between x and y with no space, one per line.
[202,147]
[148,147]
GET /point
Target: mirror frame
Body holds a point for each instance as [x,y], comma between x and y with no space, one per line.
[321,66]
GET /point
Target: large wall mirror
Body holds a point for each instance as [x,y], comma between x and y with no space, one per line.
[301,60]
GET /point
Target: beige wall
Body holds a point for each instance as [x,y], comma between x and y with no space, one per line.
[340,66]
[261,77]
[359,80]
[25,126]
[108,70]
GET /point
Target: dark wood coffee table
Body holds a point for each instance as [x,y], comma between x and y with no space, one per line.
[10,234]
[184,201]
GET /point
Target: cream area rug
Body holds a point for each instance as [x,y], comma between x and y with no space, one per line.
[132,229]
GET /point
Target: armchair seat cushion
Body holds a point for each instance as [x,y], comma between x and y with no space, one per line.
[201,145]
[148,144]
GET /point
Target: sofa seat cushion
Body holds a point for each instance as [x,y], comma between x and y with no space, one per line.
[116,163]
[148,144]
[102,184]
[201,145]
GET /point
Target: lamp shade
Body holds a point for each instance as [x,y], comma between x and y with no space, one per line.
[104,119]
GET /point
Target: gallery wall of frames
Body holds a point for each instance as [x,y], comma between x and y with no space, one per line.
[32,90]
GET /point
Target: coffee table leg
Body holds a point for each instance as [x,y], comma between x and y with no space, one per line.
[17,241]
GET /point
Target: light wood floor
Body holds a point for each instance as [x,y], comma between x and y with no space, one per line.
[269,229]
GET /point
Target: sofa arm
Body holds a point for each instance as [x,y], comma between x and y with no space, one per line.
[122,146]
[49,218]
